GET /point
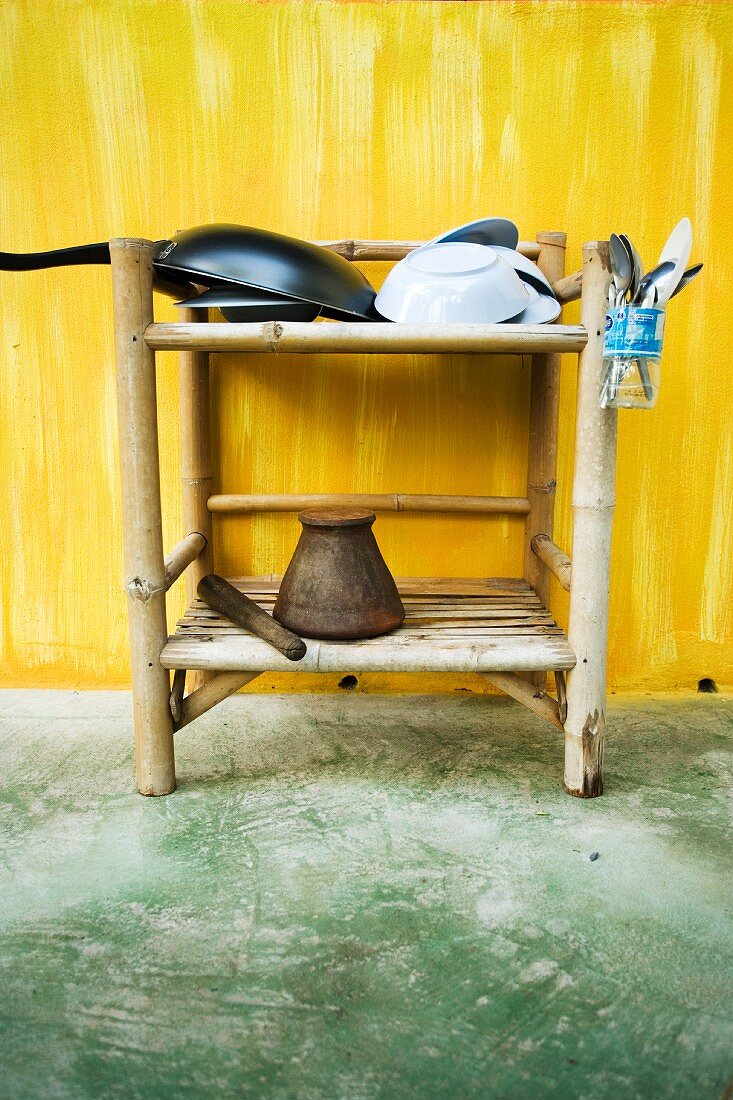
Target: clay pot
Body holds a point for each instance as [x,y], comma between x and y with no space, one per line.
[337,585]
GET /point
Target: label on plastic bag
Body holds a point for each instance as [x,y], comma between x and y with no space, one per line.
[631,330]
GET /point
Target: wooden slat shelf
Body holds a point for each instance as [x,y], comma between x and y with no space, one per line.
[451,625]
[363,337]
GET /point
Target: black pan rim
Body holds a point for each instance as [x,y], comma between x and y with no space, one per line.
[220,281]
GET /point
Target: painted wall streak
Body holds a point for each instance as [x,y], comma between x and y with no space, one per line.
[359,119]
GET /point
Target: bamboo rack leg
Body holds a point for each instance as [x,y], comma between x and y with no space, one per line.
[145,580]
[593,504]
[196,464]
[544,402]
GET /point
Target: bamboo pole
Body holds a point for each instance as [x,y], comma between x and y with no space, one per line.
[145,580]
[385,337]
[397,250]
[220,687]
[556,561]
[593,505]
[544,404]
[182,555]
[570,288]
[532,697]
[387,502]
[196,478]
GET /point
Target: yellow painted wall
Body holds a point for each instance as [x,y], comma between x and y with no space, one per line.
[124,117]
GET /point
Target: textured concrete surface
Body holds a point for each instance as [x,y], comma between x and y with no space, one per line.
[357,897]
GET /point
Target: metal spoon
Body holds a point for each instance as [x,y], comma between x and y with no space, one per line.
[621,268]
[637,275]
[637,266]
[642,365]
[646,292]
[622,272]
[688,276]
[646,296]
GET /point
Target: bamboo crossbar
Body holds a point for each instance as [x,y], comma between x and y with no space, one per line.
[379,502]
[570,288]
[554,558]
[182,555]
[386,338]
[397,250]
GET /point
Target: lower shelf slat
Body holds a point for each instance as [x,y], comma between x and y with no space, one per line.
[451,625]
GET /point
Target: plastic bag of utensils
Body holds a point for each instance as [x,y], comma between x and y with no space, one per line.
[632,350]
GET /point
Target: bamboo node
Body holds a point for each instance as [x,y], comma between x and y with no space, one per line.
[273,331]
[592,726]
[142,590]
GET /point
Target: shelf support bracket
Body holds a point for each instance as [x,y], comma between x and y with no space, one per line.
[182,555]
[562,695]
[209,694]
[179,686]
[531,696]
[556,561]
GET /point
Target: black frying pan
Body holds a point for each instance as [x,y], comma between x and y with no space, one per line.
[237,256]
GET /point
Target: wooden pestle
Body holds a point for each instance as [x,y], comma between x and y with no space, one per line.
[223,597]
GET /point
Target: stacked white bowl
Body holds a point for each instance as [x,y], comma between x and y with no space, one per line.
[469,275]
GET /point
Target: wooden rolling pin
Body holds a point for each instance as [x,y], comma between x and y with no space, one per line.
[223,597]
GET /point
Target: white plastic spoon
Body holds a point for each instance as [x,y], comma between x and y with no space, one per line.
[677,250]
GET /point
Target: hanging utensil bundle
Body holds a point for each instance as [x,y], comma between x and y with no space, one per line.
[632,346]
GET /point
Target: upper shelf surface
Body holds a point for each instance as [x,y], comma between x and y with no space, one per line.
[385,338]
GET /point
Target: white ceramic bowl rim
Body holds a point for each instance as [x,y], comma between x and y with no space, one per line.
[486,231]
[452,283]
[451,258]
[541,309]
[526,270]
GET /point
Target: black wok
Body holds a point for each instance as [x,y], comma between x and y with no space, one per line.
[236,256]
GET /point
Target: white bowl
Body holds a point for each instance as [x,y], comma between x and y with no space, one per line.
[540,309]
[528,272]
[452,283]
[488,231]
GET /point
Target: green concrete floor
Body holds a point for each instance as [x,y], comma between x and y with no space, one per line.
[360,896]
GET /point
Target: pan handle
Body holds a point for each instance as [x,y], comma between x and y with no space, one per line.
[59,257]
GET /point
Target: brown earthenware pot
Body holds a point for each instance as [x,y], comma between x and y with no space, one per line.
[337,585]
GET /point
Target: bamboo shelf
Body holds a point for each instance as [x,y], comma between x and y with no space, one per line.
[451,625]
[501,628]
